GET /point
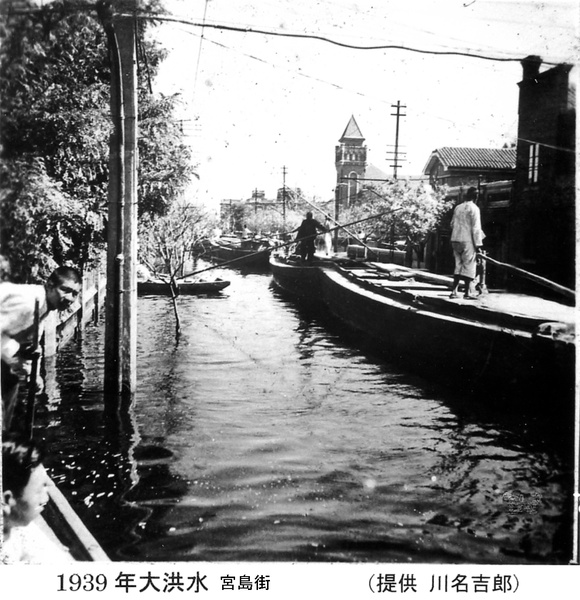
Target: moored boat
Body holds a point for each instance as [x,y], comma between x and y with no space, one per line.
[184,287]
[502,344]
[251,253]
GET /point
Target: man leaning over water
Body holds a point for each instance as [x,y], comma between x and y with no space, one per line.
[17,323]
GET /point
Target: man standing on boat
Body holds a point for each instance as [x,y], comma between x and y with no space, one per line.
[466,240]
[306,236]
[19,321]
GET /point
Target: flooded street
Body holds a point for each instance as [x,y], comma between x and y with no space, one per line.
[269,433]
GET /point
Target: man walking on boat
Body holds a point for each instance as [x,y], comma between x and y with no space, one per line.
[466,240]
[306,236]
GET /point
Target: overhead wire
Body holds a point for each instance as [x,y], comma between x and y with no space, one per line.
[199,50]
[307,36]
[319,80]
[238,29]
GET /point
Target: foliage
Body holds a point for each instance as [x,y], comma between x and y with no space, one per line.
[167,242]
[56,124]
[263,219]
[165,162]
[54,77]
[42,226]
[55,84]
[408,211]
[165,166]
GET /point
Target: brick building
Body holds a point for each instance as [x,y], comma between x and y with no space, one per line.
[528,210]
[542,212]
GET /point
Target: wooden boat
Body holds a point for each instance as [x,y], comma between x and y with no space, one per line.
[300,280]
[61,525]
[251,253]
[184,287]
[502,344]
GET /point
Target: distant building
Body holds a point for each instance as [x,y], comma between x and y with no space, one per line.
[470,166]
[352,169]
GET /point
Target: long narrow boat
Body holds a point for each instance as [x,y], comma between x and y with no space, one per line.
[250,253]
[62,525]
[184,287]
[502,344]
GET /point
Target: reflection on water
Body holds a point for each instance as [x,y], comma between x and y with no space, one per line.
[267,433]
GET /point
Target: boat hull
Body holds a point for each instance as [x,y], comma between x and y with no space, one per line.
[299,280]
[250,257]
[185,288]
[473,347]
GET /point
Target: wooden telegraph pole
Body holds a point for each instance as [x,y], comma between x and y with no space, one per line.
[121,303]
[397,154]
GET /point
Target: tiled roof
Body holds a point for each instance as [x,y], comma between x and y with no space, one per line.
[372,172]
[477,158]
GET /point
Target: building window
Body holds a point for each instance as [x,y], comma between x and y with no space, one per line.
[533,163]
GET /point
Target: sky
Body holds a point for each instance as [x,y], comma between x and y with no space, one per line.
[255,104]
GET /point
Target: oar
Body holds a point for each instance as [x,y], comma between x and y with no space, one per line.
[567,292]
[233,260]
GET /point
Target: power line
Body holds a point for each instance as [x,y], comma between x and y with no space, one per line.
[159,17]
[199,50]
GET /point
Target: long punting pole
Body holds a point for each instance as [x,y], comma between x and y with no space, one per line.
[337,223]
[336,228]
[571,294]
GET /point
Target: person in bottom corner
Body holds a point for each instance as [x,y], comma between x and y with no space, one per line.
[17,320]
[306,236]
[466,240]
[25,486]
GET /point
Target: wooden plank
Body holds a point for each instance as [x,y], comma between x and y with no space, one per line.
[70,530]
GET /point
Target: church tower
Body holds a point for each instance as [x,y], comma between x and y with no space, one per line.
[351,162]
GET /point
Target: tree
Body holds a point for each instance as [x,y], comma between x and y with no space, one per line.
[55,78]
[42,226]
[167,242]
[407,210]
[54,138]
[165,166]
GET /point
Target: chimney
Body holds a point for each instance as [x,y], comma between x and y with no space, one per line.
[531,66]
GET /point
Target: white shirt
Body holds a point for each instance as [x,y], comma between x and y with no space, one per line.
[31,545]
[466,224]
[17,315]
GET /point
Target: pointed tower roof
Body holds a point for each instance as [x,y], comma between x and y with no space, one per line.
[352,132]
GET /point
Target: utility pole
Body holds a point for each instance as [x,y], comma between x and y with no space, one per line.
[121,302]
[396,152]
[255,200]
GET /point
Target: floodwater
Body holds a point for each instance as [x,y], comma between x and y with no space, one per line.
[268,433]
